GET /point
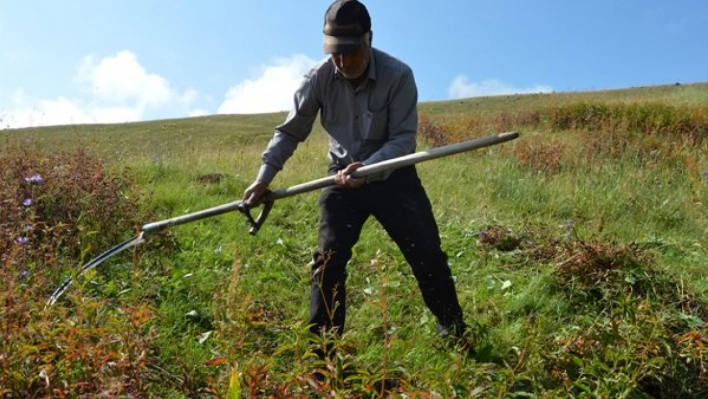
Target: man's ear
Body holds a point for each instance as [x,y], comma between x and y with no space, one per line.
[371,37]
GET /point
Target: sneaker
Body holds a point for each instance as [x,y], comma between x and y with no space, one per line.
[456,336]
[454,331]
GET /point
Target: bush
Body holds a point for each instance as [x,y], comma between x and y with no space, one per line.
[61,204]
[54,208]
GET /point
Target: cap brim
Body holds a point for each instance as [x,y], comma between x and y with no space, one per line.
[342,44]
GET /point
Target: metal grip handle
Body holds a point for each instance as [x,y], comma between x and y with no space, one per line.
[258,222]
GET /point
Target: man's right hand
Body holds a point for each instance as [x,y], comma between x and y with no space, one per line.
[255,193]
[343,177]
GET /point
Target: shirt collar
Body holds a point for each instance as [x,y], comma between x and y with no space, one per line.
[372,65]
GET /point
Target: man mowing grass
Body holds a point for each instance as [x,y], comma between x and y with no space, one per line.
[367,102]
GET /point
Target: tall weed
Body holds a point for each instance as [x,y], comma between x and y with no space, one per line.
[56,208]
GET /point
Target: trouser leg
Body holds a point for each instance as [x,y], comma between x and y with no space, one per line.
[408,218]
[341,221]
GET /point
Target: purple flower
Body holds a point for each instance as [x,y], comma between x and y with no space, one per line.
[27,202]
[21,240]
[35,178]
[705,174]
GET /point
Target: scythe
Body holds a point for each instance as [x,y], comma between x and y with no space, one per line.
[271,197]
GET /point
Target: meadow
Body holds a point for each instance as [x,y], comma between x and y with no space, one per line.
[580,253]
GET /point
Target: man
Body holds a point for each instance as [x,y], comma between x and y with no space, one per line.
[367,103]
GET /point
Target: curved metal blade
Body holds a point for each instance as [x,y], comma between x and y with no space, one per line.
[137,240]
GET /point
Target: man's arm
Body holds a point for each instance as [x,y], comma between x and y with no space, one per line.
[287,137]
[293,131]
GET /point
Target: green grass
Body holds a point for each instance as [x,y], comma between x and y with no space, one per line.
[579,252]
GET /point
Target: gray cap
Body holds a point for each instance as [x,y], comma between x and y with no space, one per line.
[345,24]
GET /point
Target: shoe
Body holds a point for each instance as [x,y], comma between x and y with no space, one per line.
[456,336]
[457,330]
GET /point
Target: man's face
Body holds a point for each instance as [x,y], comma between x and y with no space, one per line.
[352,65]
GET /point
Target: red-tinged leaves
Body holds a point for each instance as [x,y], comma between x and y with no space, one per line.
[217,361]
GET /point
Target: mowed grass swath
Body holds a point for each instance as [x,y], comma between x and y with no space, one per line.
[579,251]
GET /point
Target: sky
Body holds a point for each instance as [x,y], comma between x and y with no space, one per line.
[114,61]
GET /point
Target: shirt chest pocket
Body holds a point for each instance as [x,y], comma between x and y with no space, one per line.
[376,125]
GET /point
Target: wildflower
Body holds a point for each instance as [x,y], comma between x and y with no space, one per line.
[35,178]
[704,175]
[21,240]
[27,202]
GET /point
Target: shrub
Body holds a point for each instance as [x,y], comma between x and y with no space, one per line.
[54,208]
[61,204]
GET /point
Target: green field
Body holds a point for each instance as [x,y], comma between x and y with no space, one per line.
[580,252]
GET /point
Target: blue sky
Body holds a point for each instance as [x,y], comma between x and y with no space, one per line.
[105,61]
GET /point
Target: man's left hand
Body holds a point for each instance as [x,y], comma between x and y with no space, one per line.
[343,177]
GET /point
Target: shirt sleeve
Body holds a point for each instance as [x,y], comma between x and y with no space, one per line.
[292,132]
[403,121]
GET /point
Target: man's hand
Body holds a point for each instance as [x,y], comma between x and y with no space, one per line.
[255,193]
[343,177]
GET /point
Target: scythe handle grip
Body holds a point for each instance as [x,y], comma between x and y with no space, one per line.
[262,216]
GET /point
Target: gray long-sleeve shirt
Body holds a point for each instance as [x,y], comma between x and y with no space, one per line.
[373,122]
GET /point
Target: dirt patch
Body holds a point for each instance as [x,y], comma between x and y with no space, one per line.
[211,178]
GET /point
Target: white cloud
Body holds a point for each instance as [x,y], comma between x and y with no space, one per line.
[59,111]
[462,88]
[119,90]
[198,112]
[121,78]
[188,97]
[272,91]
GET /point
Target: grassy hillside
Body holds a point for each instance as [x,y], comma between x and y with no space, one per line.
[579,252]
[228,133]
[679,95]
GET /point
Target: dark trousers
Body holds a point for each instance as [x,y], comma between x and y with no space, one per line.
[402,207]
